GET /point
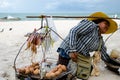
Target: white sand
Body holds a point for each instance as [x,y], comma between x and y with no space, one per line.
[11,41]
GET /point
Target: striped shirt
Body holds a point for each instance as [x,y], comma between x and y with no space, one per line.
[83,38]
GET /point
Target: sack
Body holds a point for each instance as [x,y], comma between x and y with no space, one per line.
[96,60]
[83,67]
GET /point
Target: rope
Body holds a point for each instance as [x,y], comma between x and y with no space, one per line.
[110,35]
[17,55]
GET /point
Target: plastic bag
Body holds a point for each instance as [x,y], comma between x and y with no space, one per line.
[52,26]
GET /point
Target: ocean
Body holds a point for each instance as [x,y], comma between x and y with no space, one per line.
[23,16]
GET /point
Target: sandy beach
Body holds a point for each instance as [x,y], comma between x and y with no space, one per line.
[12,37]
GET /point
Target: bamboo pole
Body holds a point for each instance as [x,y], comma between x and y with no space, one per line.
[43,16]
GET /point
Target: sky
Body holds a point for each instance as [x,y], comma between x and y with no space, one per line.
[59,6]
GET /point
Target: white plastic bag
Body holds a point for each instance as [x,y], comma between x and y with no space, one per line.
[52,26]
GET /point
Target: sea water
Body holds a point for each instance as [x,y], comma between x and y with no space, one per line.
[23,16]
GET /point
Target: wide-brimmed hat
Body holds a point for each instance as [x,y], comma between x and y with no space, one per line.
[97,15]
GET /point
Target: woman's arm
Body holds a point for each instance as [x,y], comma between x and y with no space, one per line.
[105,57]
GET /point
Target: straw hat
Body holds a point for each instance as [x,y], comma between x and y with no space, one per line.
[113,25]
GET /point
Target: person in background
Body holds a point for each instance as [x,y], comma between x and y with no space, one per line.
[85,38]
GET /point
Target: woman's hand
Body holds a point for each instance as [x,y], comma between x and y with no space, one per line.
[73,56]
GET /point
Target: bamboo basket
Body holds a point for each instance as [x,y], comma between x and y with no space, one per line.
[45,63]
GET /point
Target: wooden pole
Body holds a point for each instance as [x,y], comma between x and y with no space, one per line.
[43,16]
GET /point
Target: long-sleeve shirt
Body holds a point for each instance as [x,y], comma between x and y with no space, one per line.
[83,38]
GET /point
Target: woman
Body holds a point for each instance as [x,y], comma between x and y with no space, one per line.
[85,38]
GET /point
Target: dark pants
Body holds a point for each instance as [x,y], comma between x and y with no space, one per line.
[62,60]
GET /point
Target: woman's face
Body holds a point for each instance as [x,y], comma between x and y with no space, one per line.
[103,26]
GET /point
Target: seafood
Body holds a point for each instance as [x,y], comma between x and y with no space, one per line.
[34,41]
[56,71]
[34,69]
